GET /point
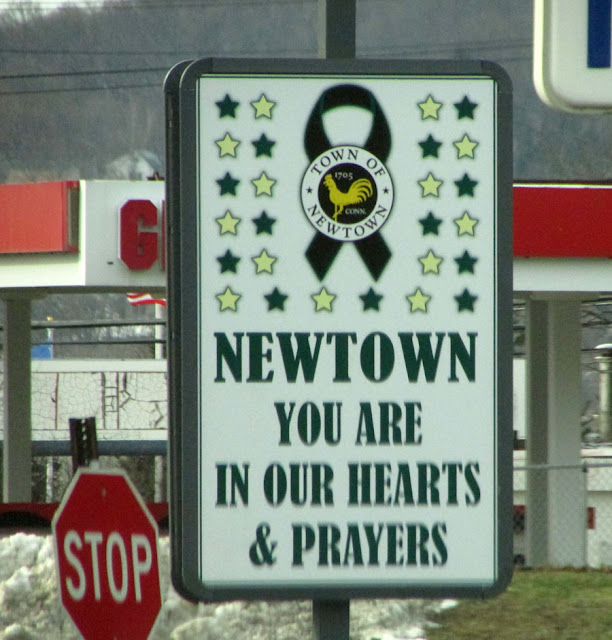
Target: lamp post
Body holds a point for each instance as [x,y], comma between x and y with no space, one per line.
[604,359]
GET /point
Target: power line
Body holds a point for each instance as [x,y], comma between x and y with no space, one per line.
[460,45]
[88,72]
[420,47]
[429,48]
[48,5]
[101,72]
[93,52]
[97,72]
[81,89]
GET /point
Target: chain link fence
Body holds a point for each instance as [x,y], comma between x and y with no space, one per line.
[128,399]
[546,529]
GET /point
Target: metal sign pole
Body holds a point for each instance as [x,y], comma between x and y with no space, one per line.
[337,28]
[330,619]
[84,442]
[337,24]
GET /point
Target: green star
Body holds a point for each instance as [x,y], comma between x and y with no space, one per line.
[430,224]
[430,147]
[228,184]
[429,108]
[263,185]
[228,262]
[227,107]
[323,300]
[465,108]
[371,300]
[276,300]
[465,147]
[465,263]
[263,146]
[228,300]
[264,223]
[465,301]
[430,186]
[227,146]
[418,301]
[431,263]
[263,107]
[466,186]
[228,223]
[263,262]
[466,224]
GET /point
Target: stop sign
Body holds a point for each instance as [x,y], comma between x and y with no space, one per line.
[106,551]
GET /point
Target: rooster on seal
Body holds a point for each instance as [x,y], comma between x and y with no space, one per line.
[359,191]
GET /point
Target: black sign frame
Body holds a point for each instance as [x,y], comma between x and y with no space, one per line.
[184,321]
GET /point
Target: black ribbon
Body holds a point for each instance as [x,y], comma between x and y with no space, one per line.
[323,250]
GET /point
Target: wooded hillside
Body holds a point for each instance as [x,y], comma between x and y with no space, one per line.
[81,87]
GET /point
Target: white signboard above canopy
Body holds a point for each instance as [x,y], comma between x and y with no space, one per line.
[572,66]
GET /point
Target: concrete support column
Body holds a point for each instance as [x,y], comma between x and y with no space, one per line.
[17,448]
[567,495]
[536,432]
[556,496]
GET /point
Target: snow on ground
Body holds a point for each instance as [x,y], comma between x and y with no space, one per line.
[30,608]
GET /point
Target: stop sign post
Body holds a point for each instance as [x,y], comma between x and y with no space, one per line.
[106,552]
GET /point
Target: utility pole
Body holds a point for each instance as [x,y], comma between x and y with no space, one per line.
[337,23]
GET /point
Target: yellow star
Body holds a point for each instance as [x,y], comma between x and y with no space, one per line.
[264,262]
[430,186]
[227,146]
[430,263]
[466,224]
[430,108]
[228,223]
[323,300]
[263,107]
[418,301]
[263,185]
[465,147]
[228,300]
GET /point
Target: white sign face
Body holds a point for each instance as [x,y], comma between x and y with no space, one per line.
[571,64]
[348,327]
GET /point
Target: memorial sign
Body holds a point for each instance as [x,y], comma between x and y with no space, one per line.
[340,311]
